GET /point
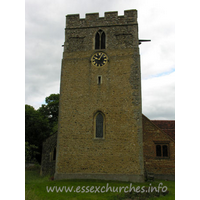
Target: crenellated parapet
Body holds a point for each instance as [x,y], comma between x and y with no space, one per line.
[109,19]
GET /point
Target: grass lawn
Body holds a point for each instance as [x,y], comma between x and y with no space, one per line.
[36,188]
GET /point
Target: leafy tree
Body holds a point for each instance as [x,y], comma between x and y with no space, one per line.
[50,110]
[39,125]
[36,129]
[30,152]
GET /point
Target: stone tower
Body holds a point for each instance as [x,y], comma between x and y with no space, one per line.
[100,117]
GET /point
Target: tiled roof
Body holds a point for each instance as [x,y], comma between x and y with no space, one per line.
[168,126]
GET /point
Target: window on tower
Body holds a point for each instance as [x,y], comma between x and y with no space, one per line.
[100,40]
[99,80]
[99,125]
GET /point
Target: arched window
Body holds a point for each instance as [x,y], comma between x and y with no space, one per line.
[100,40]
[99,125]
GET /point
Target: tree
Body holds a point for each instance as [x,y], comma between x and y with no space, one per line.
[39,125]
[36,129]
[50,111]
[30,152]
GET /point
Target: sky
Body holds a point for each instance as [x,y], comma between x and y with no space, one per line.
[44,37]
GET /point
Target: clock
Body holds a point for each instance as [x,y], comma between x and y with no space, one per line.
[99,59]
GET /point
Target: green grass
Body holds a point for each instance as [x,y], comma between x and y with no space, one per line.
[35,188]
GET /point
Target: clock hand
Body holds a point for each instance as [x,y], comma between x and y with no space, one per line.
[100,57]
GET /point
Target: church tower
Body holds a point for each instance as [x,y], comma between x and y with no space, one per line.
[100,111]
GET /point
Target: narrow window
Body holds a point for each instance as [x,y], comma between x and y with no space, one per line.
[97,39]
[165,151]
[99,80]
[158,150]
[100,40]
[99,125]
[54,154]
[103,38]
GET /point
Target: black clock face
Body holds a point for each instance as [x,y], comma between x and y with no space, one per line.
[99,59]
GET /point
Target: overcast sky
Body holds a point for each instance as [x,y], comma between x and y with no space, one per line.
[44,36]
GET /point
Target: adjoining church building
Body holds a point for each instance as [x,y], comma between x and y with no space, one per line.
[102,133]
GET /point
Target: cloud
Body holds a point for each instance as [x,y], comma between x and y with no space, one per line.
[158,97]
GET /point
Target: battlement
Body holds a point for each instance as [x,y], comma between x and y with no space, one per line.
[109,19]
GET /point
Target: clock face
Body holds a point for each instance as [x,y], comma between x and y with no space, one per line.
[99,59]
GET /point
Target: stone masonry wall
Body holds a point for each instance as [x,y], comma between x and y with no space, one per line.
[48,164]
[153,164]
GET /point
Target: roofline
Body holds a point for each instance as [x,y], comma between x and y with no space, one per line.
[163,120]
[158,128]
